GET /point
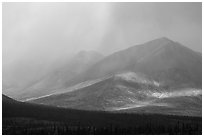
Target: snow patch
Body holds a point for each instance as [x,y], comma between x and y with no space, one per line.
[179,93]
[136,78]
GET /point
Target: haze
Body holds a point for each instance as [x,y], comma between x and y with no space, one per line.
[37,36]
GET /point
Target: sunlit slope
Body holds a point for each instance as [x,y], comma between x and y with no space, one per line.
[127,91]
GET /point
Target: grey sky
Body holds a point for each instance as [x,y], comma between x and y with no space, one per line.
[37,35]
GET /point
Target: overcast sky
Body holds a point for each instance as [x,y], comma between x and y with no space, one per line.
[35,35]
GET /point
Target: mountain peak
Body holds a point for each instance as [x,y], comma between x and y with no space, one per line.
[160,41]
[164,39]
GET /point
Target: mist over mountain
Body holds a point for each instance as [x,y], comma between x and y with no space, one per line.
[54,80]
[146,76]
[44,34]
[162,59]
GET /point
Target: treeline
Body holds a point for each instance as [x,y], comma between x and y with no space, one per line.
[24,126]
[25,118]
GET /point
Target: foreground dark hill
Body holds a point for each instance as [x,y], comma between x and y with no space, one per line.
[127,92]
[26,118]
[8,100]
[163,60]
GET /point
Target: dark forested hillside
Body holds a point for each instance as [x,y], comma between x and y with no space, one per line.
[25,118]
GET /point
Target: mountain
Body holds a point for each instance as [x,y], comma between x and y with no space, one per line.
[162,59]
[160,74]
[167,62]
[127,91]
[55,79]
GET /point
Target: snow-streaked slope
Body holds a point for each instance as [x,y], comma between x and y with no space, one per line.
[136,78]
[180,105]
[122,91]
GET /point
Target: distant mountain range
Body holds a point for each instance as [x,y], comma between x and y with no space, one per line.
[160,75]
